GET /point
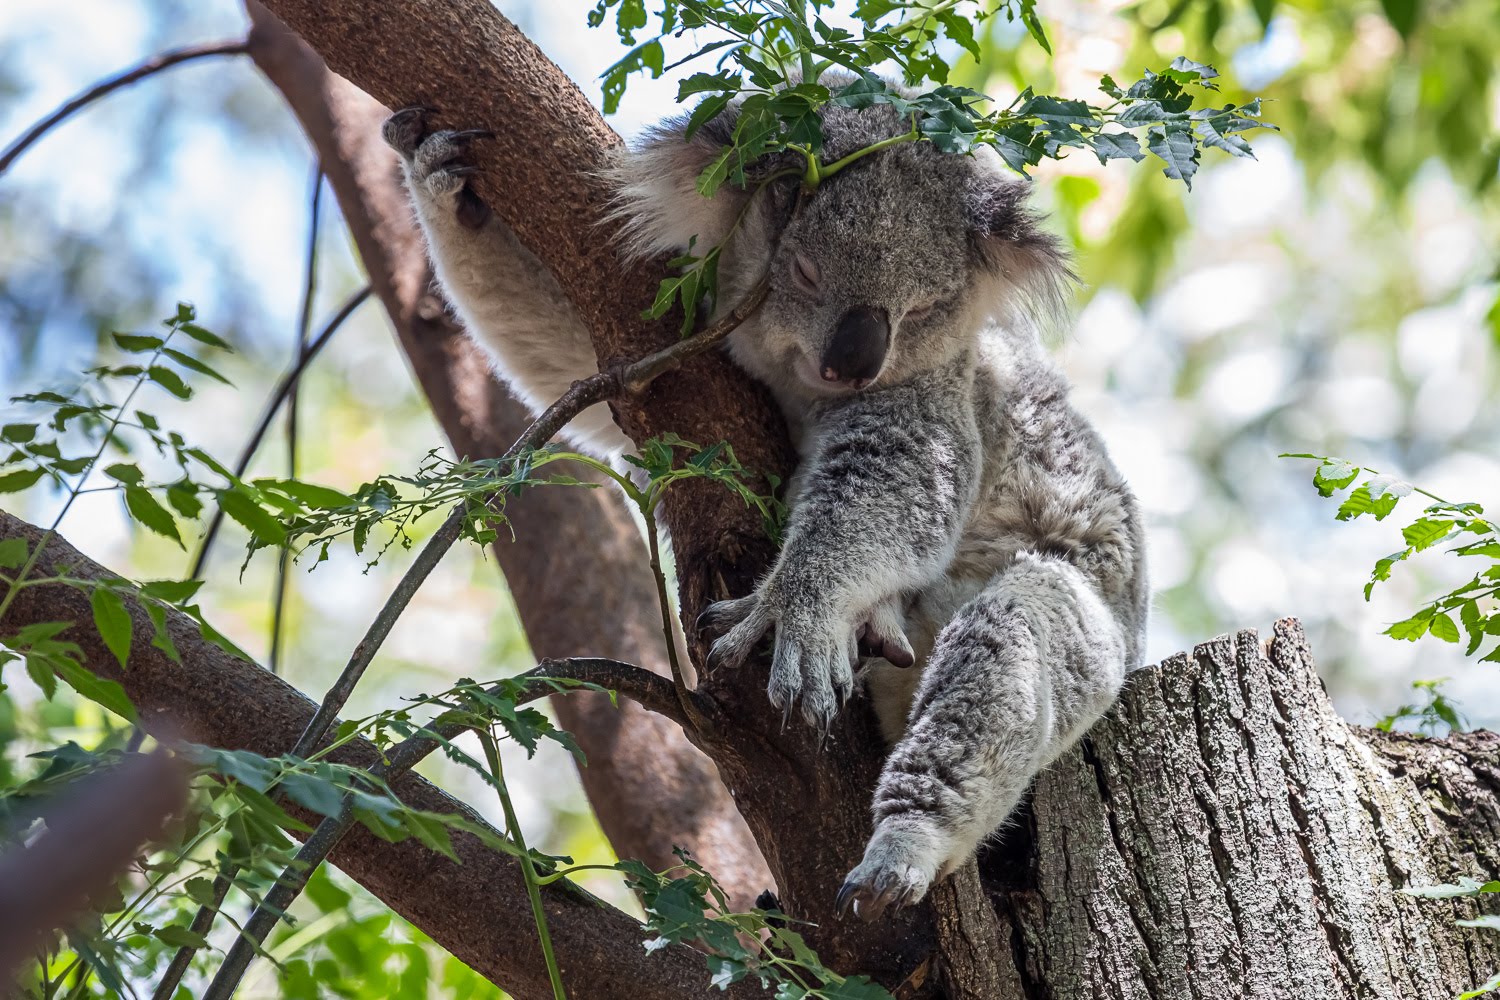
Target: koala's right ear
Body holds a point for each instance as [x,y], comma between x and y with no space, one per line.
[656,197]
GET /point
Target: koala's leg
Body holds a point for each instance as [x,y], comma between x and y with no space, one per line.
[1017,676]
[507,299]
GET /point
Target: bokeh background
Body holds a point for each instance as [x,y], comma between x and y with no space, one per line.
[1337,295]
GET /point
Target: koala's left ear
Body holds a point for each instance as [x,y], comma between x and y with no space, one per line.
[657,199]
[1028,265]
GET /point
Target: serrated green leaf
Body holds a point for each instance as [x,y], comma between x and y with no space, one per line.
[13,553]
[170,381]
[1173,142]
[124,472]
[171,591]
[149,514]
[1442,626]
[21,479]
[113,622]
[97,689]
[136,343]
[202,336]
[240,506]
[193,364]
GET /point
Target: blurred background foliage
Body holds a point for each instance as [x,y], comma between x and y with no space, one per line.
[1336,295]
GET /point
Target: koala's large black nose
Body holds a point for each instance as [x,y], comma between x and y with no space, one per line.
[857,351]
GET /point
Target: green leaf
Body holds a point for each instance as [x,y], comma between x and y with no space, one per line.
[124,472]
[96,689]
[13,553]
[171,591]
[1360,502]
[1426,532]
[193,364]
[1116,146]
[239,505]
[202,336]
[21,479]
[1174,144]
[1413,628]
[150,514]
[17,433]
[1402,14]
[177,936]
[160,637]
[136,343]
[170,381]
[311,494]
[1442,626]
[113,622]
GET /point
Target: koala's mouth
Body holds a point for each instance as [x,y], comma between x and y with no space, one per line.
[814,376]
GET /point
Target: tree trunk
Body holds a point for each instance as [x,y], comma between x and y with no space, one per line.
[1223,834]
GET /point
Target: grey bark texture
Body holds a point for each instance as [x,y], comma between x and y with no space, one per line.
[1225,834]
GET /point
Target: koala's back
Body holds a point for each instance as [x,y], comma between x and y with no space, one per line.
[1048,490]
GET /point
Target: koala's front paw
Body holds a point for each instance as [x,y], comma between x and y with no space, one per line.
[899,866]
[437,164]
[814,656]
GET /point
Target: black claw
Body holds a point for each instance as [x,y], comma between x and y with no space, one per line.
[845,898]
[415,109]
[461,170]
[703,621]
[464,135]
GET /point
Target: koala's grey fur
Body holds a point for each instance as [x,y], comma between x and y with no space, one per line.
[957,511]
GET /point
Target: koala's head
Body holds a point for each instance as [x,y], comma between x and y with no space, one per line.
[893,266]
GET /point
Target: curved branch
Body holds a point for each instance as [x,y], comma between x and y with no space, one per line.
[476,907]
[155,64]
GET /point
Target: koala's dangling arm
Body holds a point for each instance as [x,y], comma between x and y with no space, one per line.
[507,299]
[884,496]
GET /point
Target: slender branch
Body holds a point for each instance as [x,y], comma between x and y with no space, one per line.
[636,376]
[155,64]
[304,328]
[278,395]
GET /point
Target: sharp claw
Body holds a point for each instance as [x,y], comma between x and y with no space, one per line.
[462,170]
[464,135]
[415,109]
[845,899]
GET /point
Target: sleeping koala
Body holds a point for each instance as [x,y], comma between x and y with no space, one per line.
[951,509]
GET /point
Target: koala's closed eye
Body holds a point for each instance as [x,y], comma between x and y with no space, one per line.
[918,313]
[807,275]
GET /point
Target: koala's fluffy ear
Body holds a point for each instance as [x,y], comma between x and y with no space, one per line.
[1029,268]
[657,200]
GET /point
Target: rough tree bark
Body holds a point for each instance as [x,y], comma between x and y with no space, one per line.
[1221,834]
[577,567]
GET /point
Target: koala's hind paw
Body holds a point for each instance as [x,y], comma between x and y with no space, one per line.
[899,867]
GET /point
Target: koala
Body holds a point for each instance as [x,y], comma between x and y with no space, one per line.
[952,516]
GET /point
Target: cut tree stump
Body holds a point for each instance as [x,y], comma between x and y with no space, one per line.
[1224,834]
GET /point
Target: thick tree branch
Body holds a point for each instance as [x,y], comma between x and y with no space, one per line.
[476,909]
[577,567]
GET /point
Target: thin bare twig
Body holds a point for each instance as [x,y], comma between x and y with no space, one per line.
[155,64]
[273,405]
[304,329]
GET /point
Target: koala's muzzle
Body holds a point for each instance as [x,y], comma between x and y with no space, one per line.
[857,351]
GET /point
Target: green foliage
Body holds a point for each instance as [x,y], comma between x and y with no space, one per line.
[1474,603]
[684,905]
[770,58]
[1436,714]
